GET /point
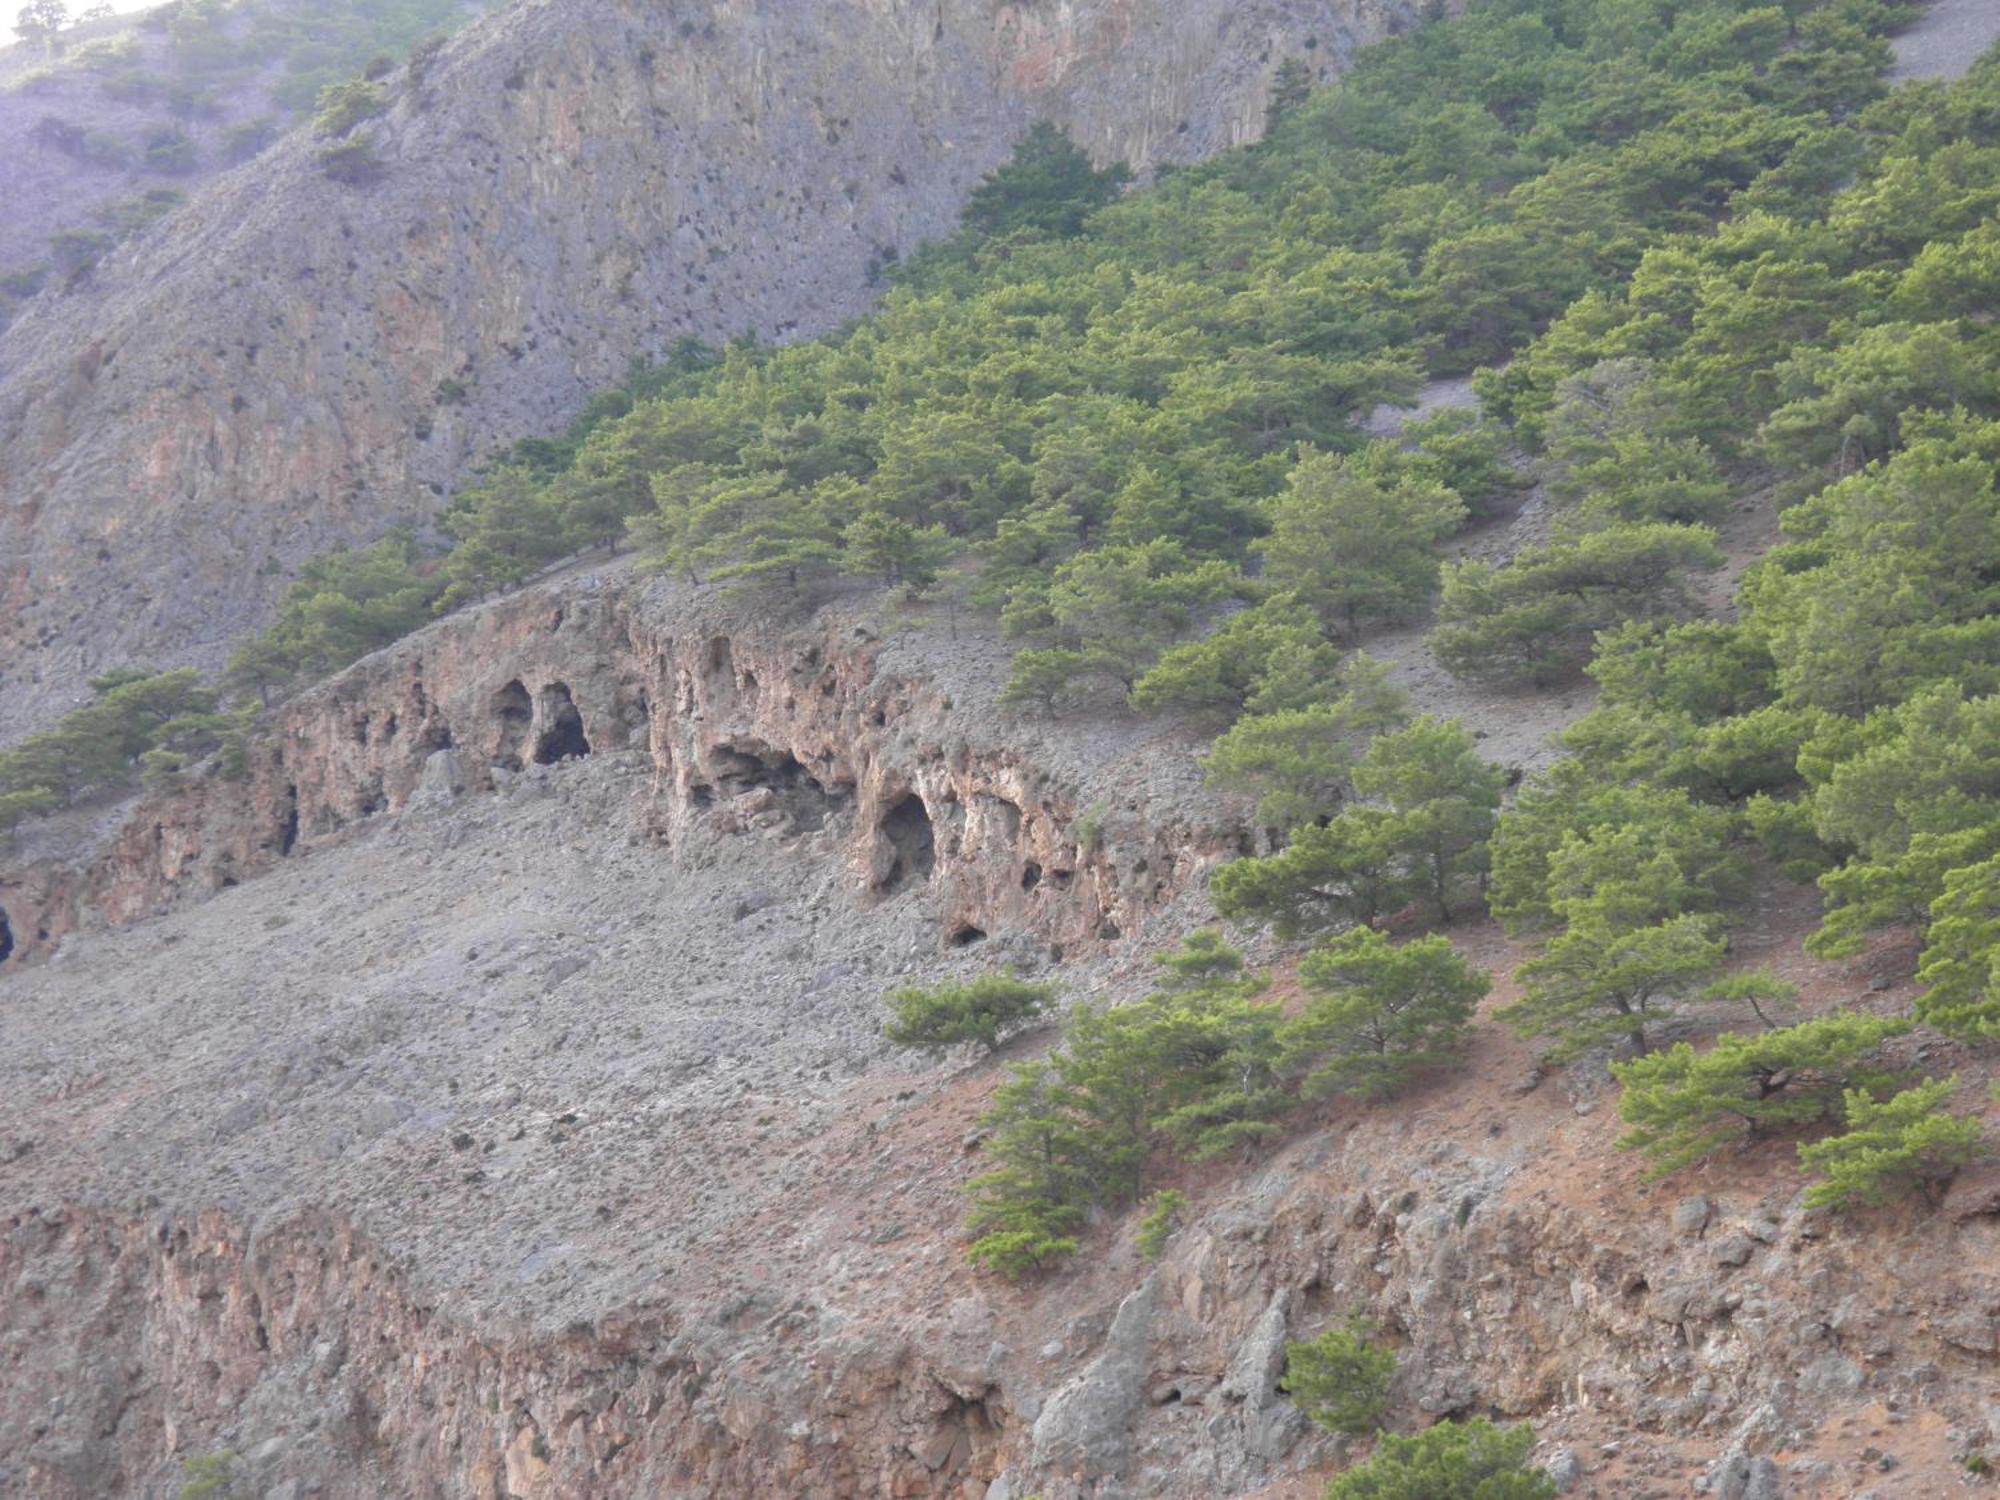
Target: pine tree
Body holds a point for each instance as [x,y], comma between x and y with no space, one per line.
[1908,1140]
[1347,870]
[1961,962]
[1604,982]
[1341,1379]
[506,530]
[1378,1014]
[983,1011]
[1682,1104]
[1299,763]
[1291,85]
[1355,540]
[1471,1460]
[1444,798]
[891,549]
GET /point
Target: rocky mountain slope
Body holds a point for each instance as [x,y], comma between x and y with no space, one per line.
[124,117]
[486,1096]
[413,1135]
[288,363]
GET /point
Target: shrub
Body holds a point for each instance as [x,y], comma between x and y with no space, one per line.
[352,162]
[169,151]
[76,251]
[212,1476]
[1907,1140]
[241,142]
[982,1011]
[1340,1379]
[1161,1215]
[1452,1461]
[1682,1105]
[1018,1230]
[342,106]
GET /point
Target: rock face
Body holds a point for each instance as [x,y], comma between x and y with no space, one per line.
[748,721]
[288,364]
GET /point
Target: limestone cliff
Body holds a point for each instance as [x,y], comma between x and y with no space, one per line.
[288,364]
[744,722]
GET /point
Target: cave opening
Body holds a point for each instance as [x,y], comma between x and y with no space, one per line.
[288,827]
[516,711]
[562,736]
[6,937]
[908,830]
[1031,876]
[966,935]
[794,788]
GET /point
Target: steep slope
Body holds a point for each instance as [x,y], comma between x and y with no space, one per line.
[288,363]
[126,115]
[456,1130]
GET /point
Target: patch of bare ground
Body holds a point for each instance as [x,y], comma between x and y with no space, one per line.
[1946,41]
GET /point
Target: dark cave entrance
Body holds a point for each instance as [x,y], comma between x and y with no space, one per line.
[288,823]
[908,830]
[516,711]
[6,937]
[562,736]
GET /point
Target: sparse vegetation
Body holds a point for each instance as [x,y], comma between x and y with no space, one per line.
[1341,1379]
[1137,438]
[1163,1212]
[982,1012]
[1909,1140]
[353,161]
[342,106]
[1469,1460]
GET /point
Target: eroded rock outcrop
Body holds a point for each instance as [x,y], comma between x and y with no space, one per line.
[748,719]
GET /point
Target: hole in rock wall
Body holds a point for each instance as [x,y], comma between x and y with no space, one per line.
[288,825]
[806,800]
[6,938]
[562,735]
[720,670]
[908,830]
[966,935]
[1031,876]
[516,711]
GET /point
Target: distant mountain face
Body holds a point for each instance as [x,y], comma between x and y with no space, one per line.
[291,362]
[110,124]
